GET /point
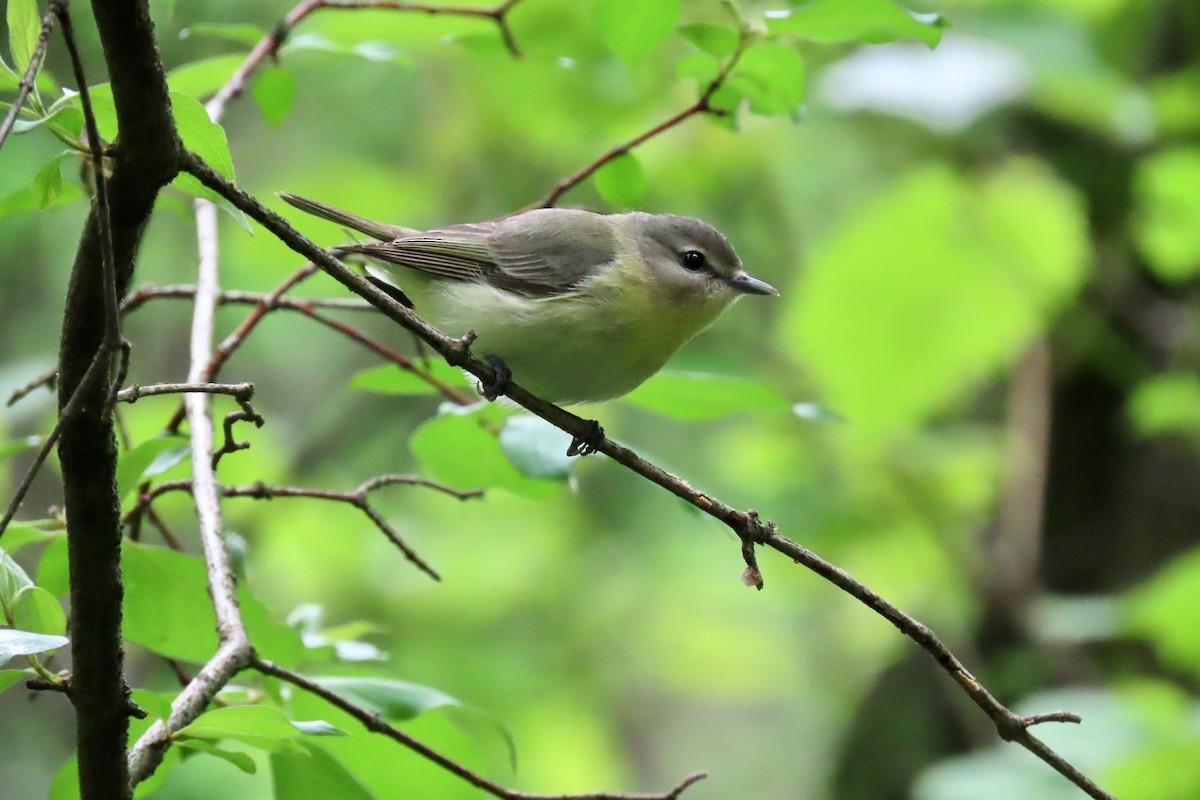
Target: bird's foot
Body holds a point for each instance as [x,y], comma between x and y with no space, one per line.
[588,443]
[502,381]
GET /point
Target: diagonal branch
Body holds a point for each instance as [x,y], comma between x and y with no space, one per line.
[310,309]
[374,723]
[357,497]
[750,529]
[68,411]
[703,105]
[112,330]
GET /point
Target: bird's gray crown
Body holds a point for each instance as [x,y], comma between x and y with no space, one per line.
[680,234]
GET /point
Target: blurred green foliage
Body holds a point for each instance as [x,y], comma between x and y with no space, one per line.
[934,219]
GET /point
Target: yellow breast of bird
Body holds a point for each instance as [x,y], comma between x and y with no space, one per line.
[594,344]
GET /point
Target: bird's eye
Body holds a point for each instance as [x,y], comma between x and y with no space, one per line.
[693,260]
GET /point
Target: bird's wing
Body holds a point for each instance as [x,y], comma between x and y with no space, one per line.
[533,254]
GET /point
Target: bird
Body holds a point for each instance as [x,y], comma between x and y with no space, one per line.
[576,306]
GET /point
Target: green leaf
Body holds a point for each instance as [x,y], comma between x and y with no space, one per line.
[457,449]
[19,534]
[398,701]
[65,785]
[772,77]
[66,119]
[392,699]
[104,109]
[227,31]
[695,395]
[38,611]
[206,139]
[1167,404]
[1162,612]
[167,608]
[1168,206]
[536,448]
[621,181]
[12,580]
[371,51]
[860,21]
[20,200]
[157,705]
[318,727]
[25,643]
[635,28]
[240,760]
[273,91]
[24,27]
[700,67]
[307,772]
[203,78]
[146,460]
[713,39]
[377,51]
[48,183]
[263,727]
[992,261]
[728,100]
[391,379]
[10,676]
[53,574]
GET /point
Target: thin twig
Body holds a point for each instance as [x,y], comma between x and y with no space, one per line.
[186,291]
[232,445]
[357,498]
[241,391]
[268,46]
[46,379]
[68,411]
[309,308]
[29,79]
[746,524]
[234,340]
[112,329]
[373,722]
[703,105]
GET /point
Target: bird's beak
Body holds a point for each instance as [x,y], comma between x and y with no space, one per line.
[748,284]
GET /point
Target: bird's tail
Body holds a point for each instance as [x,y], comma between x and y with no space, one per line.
[377,230]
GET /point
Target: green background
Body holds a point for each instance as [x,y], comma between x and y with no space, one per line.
[972,243]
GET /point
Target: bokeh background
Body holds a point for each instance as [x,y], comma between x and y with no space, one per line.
[989,326]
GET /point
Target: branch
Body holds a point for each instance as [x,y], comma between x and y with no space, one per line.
[46,379]
[112,330]
[309,309]
[29,79]
[234,340]
[357,498]
[241,391]
[68,411]
[185,291]
[268,46]
[103,266]
[231,445]
[750,529]
[703,105]
[374,723]
[235,649]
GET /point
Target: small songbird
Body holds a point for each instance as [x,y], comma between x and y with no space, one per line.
[575,306]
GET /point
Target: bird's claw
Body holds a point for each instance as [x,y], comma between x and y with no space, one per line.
[588,443]
[502,381]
